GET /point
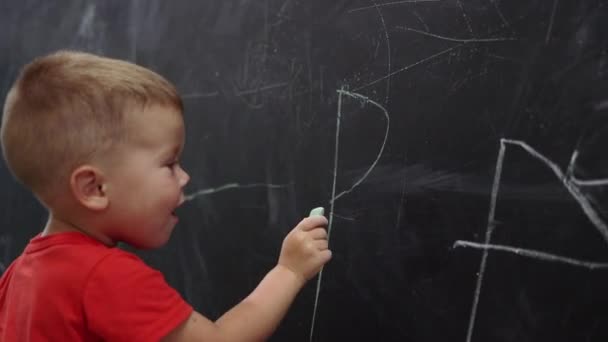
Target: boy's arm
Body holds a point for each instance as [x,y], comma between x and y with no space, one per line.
[254,319]
[303,253]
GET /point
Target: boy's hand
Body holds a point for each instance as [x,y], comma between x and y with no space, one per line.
[303,254]
[305,248]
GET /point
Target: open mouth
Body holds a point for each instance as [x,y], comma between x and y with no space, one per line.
[174,211]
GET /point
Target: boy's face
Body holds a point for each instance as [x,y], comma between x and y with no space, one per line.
[145,185]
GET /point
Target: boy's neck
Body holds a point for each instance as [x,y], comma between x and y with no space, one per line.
[56,225]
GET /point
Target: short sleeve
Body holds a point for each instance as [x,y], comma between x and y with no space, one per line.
[126,300]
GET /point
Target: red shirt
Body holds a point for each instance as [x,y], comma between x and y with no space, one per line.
[69,287]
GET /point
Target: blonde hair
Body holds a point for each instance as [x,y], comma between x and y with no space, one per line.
[67,107]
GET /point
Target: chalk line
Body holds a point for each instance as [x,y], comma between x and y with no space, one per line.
[489,231]
[331,214]
[534,254]
[209,191]
[458,40]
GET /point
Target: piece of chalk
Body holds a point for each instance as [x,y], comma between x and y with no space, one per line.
[319,211]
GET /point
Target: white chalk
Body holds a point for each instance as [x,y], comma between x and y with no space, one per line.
[319,211]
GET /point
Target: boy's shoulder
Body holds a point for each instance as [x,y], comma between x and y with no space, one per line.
[94,270]
[74,248]
[73,258]
[108,292]
[94,258]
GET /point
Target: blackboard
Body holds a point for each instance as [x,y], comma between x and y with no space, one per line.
[459,147]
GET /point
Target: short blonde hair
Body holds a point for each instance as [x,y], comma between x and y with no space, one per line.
[67,107]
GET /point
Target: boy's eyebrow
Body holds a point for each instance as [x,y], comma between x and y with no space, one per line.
[173,152]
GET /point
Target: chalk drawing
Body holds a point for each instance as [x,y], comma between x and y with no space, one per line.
[334,196]
[570,183]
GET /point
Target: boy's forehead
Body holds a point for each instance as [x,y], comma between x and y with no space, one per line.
[156,122]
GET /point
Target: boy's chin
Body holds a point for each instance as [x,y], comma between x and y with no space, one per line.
[145,244]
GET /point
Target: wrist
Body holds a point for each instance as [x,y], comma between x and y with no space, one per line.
[289,275]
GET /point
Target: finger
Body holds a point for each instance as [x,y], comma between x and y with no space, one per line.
[312,222]
[321,244]
[318,233]
[325,256]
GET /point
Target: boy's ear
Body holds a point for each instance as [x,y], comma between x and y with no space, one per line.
[89,188]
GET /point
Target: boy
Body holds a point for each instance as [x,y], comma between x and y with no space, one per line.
[98,142]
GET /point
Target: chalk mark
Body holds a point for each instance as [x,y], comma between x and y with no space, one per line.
[388,52]
[582,182]
[500,14]
[392,3]
[419,17]
[331,214]
[458,40]
[199,95]
[589,182]
[260,89]
[601,105]
[334,197]
[571,164]
[402,199]
[504,58]
[583,202]
[369,170]
[344,217]
[534,254]
[410,66]
[209,191]
[489,231]
[574,191]
[134,28]
[464,15]
[238,92]
[550,27]
[87,24]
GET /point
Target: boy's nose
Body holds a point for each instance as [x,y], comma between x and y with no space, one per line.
[184,178]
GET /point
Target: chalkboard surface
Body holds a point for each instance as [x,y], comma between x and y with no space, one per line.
[458,146]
